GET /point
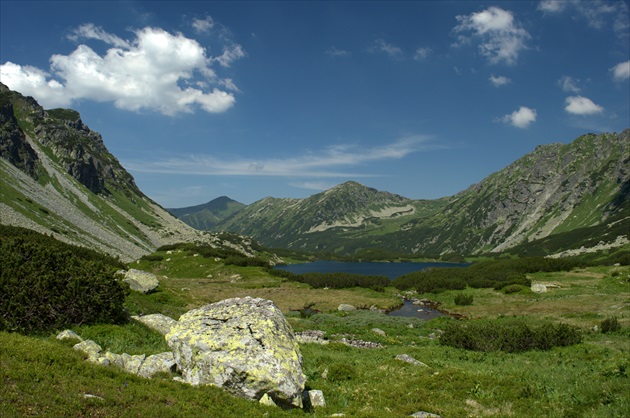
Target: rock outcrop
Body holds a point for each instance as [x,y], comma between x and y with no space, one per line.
[243,345]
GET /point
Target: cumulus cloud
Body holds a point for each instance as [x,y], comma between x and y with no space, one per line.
[569,84]
[521,118]
[157,70]
[621,71]
[552,6]
[501,37]
[499,80]
[380,45]
[579,105]
[311,164]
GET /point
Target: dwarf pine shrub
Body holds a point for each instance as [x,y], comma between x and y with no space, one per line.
[47,285]
[610,325]
[463,299]
[511,336]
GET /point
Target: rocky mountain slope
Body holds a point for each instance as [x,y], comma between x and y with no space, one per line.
[57,177]
[556,189]
[207,215]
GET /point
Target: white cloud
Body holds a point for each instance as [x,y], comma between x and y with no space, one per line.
[502,39]
[621,71]
[421,53]
[157,70]
[552,6]
[579,105]
[499,80]
[333,51]
[569,84]
[521,118]
[381,46]
[230,54]
[315,165]
[598,14]
[203,25]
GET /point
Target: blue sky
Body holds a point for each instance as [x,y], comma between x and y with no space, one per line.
[285,99]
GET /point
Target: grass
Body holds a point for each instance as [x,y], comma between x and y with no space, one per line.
[43,376]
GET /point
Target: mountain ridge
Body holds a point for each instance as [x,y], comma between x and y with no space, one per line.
[555,188]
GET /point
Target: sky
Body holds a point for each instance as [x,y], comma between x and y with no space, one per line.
[286,99]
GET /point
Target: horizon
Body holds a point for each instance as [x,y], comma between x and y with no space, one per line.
[422,99]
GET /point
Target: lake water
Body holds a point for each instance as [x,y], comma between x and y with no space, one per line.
[391,270]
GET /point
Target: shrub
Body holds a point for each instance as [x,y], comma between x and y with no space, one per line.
[512,288]
[152,257]
[463,300]
[610,325]
[47,285]
[509,336]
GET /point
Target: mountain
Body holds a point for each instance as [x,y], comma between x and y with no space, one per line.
[556,189]
[205,216]
[58,178]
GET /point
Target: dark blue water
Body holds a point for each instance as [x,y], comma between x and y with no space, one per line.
[391,270]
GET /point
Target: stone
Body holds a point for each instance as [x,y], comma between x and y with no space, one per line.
[538,288]
[68,335]
[314,399]
[267,400]
[244,345]
[344,307]
[141,281]
[90,348]
[156,363]
[311,336]
[360,343]
[160,323]
[422,414]
[378,331]
[408,359]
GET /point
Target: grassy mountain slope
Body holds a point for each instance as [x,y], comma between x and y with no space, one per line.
[205,216]
[555,189]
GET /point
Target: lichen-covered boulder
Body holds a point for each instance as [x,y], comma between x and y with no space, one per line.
[243,345]
[141,281]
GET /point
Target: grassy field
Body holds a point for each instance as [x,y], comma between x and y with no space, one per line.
[45,377]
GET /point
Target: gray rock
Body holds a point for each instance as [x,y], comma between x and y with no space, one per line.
[160,323]
[90,348]
[344,307]
[423,414]
[378,331]
[141,281]
[408,359]
[267,400]
[243,345]
[314,399]
[311,336]
[538,288]
[156,363]
[68,335]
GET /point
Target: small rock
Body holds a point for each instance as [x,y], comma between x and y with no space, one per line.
[408,359]
[314,399]
[90,348]
[68,335]
[423,414]
[266,400]
[378,331]
[538,288]
[141,281]
[344,307]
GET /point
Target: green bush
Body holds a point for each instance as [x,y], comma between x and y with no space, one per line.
[512,288]
[511,336]
[47,285]
[463,300]
[610,325]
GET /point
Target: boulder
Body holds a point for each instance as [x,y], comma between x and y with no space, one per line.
[141,281]
[68,334]
[539,288]
[314,399]
[408,359]
[90,348]
[344,307]
[156,363]
[244,345]
[160,323]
